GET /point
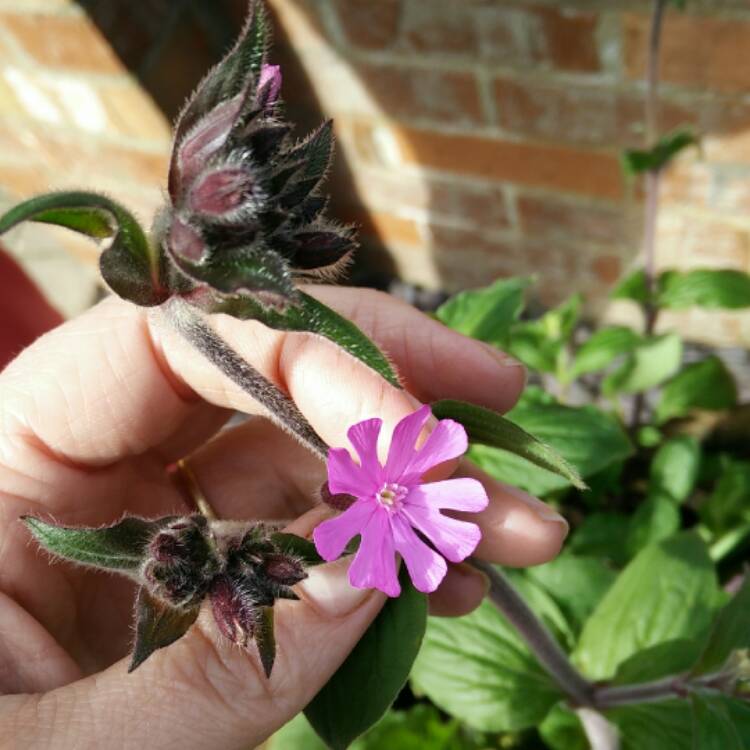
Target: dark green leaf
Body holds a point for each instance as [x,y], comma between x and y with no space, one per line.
[663,659]
[702,385]
[603,348]
[577,584]
[157,625]
[713,727]
[310,315]
[367,683]
[265,639]
[656,518]
[478,669]
[728,507]
[490,428]
[129,265]
[679,4]
[633,287]
[313,155]
[587,438]
[668,591]
[602,535]
[705,287]
[298,547]
[675,467]
[651,362]
[637,161]
[486,314]
[562,730]
[665,725]
[119,547]
[730,632]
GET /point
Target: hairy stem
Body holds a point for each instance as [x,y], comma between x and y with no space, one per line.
[538,638]
[652,187]
[192,325]
[599,732]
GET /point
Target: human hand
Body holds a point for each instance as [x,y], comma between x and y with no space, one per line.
[94,412]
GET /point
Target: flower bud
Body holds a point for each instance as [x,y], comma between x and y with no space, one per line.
[340,502]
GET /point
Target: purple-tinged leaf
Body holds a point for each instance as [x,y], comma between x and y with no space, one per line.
[157,625]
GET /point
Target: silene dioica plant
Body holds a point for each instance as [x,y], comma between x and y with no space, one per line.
[637,636]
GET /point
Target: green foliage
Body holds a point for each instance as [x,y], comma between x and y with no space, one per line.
[587,438]
[488,428]
[656,518]
[729,504]
[654,726]
[367,683]
[562,730]
[650,362]
[633,287]
[667,658]
[486,314]
[478,669]
[675,467]
[705,287]
[637,161]
[604,346]
[668,591]
[714,727]
[702,385]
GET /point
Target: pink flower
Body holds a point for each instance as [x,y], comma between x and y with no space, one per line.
[392,504]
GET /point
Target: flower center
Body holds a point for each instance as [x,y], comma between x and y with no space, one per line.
[391,495]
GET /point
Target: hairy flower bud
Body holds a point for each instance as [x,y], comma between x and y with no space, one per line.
[181,562]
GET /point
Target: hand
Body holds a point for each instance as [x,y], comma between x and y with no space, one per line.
[91,415]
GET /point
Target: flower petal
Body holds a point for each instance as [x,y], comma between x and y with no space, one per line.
[401,452]
[346,477]
[426,568]
[454,539]
[364,437]
[448,440]
[453,494]
[374,565]
[332,536]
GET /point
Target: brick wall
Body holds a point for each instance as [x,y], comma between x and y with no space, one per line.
[477,138]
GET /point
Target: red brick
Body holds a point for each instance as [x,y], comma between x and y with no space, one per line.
[607,268]
[388,228]
[442,28]
[62,41]
[697,51]
[567,169]
[369,24]
[416,93]
[545,215]
[482,205]
[546,37]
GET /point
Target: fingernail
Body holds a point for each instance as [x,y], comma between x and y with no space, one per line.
[540,509]
[328,590]
[503,359]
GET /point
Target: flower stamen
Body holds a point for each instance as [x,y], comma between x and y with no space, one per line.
[391,495]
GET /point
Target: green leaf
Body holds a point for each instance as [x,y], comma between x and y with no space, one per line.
[730,632]
[486,314]
[478,669]
[665,725]
[602,534]
[265,638]
[298,547]
[702,385]
[675,467]
[663,659]
[633,287]
[562,730]
[157,625]
[714,289]
[577,584]
[120,547]
[637,161]
[668,591]
[713,727]
[540,344]
[656,518]
[651,362]
[370,679]
[603,348]
[307,314]
[587,438]
[129,265]
[490,428]
[728,507]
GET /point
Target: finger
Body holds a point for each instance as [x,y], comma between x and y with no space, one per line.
[460,593]
[203,691]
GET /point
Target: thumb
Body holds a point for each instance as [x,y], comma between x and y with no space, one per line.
[204,691]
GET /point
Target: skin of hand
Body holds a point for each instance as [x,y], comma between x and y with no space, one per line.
[90,417]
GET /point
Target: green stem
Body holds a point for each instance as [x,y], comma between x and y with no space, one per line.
[192,325]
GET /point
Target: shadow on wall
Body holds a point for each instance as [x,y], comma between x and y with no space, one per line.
[481,139]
